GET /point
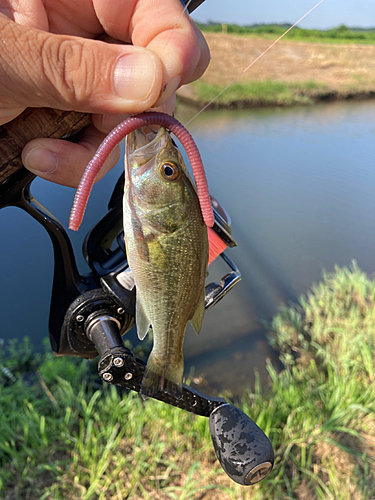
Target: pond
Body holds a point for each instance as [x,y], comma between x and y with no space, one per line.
[299,185]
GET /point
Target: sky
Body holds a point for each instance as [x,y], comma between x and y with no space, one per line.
[329,14]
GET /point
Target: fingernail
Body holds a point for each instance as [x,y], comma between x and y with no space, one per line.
[134,76]
[41,160]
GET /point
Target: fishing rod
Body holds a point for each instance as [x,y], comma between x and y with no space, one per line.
[90,312]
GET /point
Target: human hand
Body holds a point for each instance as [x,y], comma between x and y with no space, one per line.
[49,58]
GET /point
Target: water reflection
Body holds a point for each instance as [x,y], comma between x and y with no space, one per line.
[309,118]
[299,185]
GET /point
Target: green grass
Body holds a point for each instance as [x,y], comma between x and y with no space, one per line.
[266,92]
[64,436]
[340,34]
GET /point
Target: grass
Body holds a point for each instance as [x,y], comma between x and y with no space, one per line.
[64,436]
[260,93]
[340,34]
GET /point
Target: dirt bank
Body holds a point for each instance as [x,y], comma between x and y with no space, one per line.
[341,70]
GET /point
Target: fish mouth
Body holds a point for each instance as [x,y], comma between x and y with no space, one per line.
[139,143]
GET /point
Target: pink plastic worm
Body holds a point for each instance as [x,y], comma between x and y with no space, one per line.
[119,133]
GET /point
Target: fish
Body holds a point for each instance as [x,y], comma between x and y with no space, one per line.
[167,250]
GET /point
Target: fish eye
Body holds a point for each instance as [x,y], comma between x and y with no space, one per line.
[169,171]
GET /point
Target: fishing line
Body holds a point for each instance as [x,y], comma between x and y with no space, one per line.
[251,64]
[175,26]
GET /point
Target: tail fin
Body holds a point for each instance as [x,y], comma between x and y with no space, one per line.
[160,378]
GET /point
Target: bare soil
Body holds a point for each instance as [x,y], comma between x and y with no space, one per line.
[345,70]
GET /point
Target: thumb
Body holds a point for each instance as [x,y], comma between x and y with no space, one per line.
[42,69]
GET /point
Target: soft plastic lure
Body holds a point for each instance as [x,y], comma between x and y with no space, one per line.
[114,138]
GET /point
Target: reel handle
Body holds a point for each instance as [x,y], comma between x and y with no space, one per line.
[243,450]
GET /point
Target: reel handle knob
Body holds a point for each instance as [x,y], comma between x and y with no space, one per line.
[242,448]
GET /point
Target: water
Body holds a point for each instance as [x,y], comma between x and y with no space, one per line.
[299,185]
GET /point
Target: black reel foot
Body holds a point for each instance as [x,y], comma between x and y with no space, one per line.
[242,448]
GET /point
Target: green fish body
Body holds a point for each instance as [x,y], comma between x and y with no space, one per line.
[167,249]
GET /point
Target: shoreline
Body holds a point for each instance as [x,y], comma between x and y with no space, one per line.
[187,95]
[291,73]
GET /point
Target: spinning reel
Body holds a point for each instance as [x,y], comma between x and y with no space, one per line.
[90,313]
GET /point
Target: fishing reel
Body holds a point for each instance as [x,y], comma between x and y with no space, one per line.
[90,313]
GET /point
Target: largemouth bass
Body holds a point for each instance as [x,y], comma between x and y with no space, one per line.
[167,249]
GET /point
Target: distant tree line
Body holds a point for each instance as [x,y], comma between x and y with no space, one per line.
[342,32]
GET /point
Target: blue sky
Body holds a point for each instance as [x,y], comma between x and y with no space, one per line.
[329,14]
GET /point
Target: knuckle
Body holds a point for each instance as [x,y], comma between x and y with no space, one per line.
[70,69]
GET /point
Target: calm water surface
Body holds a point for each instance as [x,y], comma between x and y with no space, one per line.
[299,185]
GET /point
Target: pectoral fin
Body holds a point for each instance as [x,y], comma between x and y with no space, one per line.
[157,254]
[141,319]
[196,320]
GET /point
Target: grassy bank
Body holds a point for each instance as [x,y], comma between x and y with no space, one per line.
[252,94]
[259,93]
[294,72]
[62,436]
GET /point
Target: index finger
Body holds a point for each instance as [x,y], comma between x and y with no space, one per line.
[162,27]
